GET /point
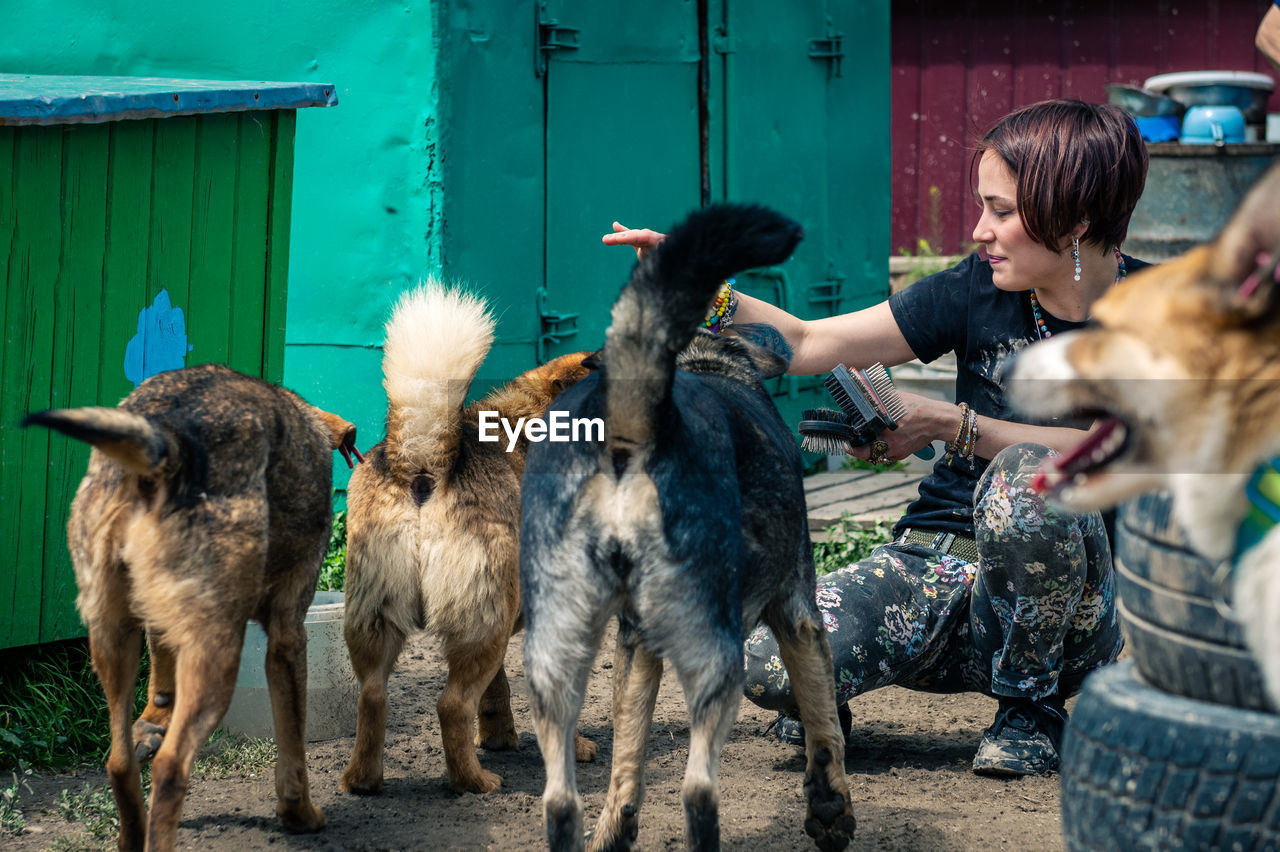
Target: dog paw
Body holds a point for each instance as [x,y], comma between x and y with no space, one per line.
[830,821]
[584,750]
[299,818]
[147,738]
[357,783]
[501,741]
[482,782]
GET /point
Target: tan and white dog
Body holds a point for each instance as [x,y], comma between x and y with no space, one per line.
[1182,373]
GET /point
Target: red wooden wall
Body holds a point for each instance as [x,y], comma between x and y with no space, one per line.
[959,65]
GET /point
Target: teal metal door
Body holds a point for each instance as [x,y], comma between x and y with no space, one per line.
[622,131]
[799,121]
[556,124]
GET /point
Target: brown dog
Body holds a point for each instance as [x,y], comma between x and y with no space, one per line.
[206,503]
[1183,376]
[433,527]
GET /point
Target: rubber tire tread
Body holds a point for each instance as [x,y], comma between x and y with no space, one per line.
[1165,590]
[1191,667]
[1147,770]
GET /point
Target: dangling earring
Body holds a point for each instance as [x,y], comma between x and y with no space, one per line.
[1075,254]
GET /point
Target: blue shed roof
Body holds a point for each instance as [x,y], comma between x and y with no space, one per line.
[46,99]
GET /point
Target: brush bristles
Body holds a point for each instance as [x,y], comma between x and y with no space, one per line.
[825,431]
[887,391]
[852,399]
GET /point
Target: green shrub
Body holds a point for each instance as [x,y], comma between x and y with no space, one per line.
[848,541]
[52,710]
[333,574]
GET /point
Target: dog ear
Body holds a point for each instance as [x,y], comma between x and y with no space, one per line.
[595,360]
[768,349]
[1244,254]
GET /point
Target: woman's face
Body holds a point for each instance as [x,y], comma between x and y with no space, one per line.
[1017,263]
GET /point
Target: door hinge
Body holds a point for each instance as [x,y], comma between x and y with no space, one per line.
[828,292]
[830,50]
[553,326]
[549,36]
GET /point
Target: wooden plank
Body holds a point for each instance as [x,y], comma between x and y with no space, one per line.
[10,443]
[52,99]
[33,277]
[76,341]
[865,495]
[249,244]
[124,291]
[172,194]
[209,313]
[284,123]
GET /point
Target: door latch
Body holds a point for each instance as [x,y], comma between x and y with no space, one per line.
[554,326]
[830,50]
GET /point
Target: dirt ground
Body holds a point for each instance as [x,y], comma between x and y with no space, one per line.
[907,759]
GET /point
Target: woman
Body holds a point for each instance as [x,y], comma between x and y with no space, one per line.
[985,587]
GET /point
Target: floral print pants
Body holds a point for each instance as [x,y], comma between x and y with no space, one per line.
[1031,618]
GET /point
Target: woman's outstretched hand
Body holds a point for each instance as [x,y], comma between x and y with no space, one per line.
[641,239]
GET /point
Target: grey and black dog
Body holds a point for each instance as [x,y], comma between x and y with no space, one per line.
[688,523]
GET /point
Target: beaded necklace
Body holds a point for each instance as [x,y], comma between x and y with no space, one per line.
[1042,328]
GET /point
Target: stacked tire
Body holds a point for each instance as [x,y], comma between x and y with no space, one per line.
[1178,747]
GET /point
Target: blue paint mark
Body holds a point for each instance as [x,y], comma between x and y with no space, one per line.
[161,341]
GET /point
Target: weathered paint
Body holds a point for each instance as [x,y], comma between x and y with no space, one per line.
[161,341]
[51,99]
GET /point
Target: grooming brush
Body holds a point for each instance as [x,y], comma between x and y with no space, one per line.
[869,403]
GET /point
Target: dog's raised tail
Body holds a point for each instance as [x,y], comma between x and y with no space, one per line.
[667,299]
[127,438]
[437,338]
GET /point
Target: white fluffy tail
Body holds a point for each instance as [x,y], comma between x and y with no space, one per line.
[436,340]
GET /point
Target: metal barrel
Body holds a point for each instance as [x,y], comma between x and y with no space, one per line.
[1191,192]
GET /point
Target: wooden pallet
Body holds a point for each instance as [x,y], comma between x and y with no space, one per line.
[865,495]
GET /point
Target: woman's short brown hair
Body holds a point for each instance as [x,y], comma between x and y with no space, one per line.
[1071,161]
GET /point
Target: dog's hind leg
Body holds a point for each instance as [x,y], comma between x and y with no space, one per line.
[206,677]
[802,644]
[116,649]
[374,645]
[636,675]
[471,669]
[710,670]
[148,730]
[495,726]
[559,647]
[286,669]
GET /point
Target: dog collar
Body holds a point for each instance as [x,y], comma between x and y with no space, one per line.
[1263,492]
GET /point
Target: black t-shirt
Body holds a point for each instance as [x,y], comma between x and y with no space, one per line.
[960,310]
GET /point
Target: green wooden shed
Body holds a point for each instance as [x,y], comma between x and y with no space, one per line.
[144,225]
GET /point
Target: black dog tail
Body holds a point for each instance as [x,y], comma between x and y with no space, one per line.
[666,300]
[127,438]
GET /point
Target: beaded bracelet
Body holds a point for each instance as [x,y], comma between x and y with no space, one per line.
[967,435]
[720,316]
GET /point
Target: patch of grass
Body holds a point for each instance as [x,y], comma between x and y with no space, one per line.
[227,755]
[846,542]
[11,819]
[52,710]
[93,808]
[855,463]
[333,573]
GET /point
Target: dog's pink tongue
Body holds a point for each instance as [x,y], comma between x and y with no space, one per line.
[1056,471]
